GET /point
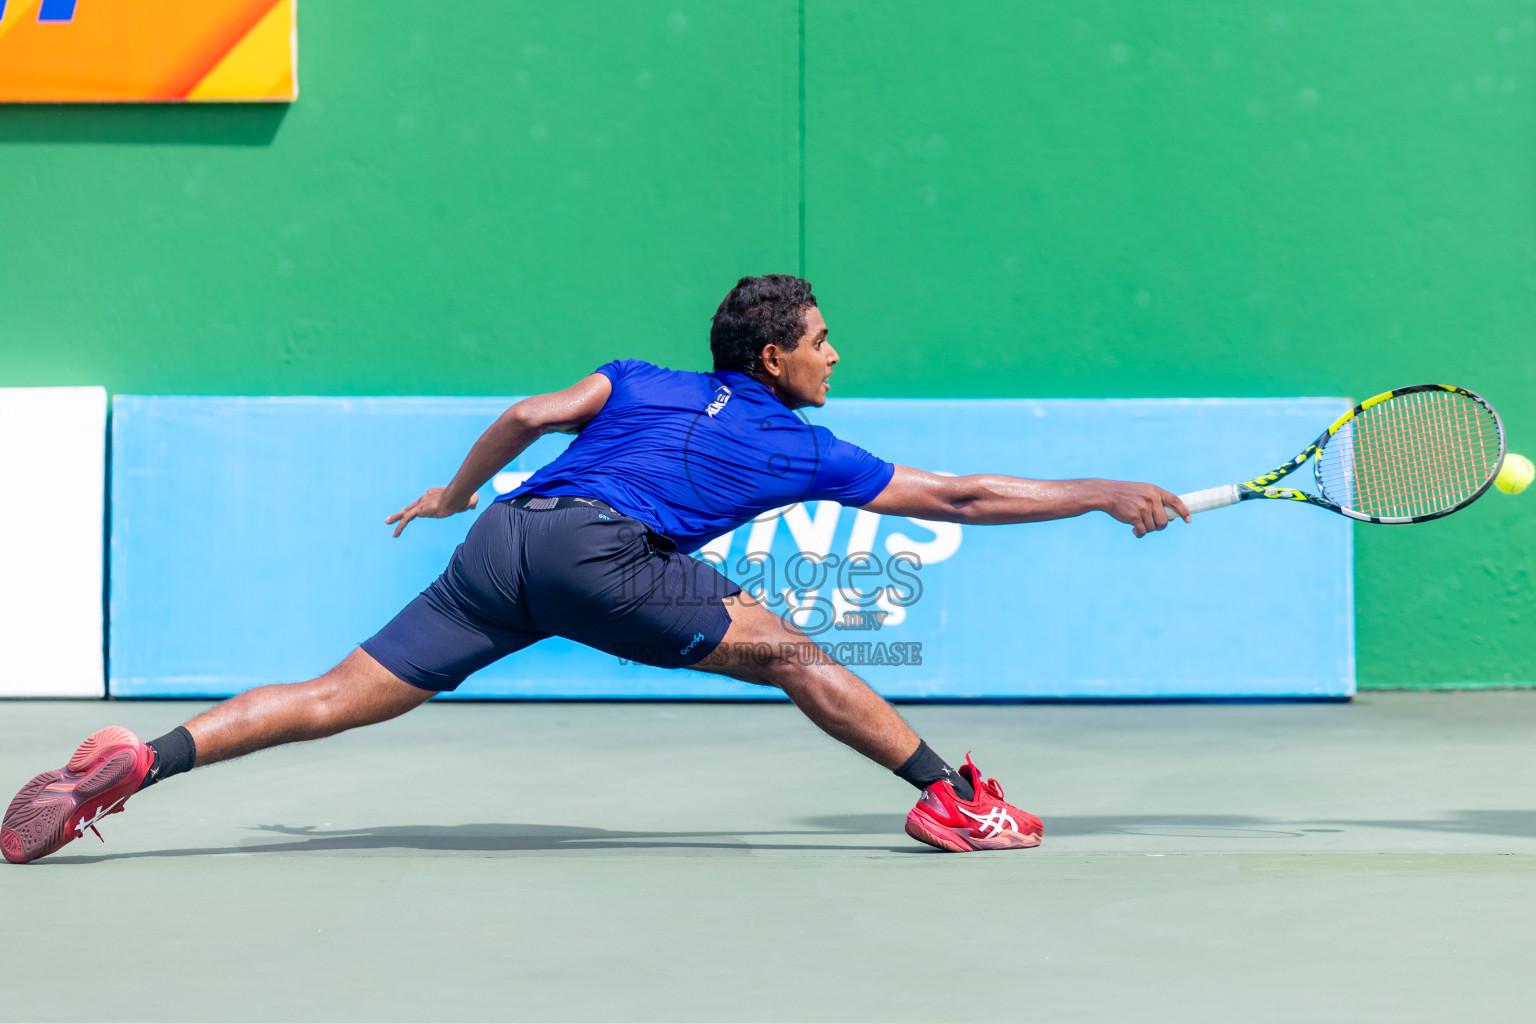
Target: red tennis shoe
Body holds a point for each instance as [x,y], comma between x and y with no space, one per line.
[59,806]
[988,822]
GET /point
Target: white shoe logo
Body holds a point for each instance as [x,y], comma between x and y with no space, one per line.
[996,819]
[101,812]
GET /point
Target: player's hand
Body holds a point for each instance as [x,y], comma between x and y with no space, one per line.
[433,506]
[1144,507]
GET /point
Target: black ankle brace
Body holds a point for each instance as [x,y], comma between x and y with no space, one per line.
[174,753]
[924,768]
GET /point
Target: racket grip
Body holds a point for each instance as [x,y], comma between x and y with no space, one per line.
[1204,501]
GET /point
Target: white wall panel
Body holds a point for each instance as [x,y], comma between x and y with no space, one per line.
[52,489]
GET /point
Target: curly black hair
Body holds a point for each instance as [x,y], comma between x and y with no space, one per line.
[759,311]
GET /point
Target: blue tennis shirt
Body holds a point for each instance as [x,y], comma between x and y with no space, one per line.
[693,455]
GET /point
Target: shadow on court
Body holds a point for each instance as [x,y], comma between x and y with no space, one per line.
[499,838]
[1485,823]
[531,838]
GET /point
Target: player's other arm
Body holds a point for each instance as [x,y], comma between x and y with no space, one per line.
[992,500]
[564,412]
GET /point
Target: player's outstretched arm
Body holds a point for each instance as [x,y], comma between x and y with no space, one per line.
[993,500]
[563,412]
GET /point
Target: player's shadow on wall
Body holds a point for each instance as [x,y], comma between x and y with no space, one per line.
[187,124]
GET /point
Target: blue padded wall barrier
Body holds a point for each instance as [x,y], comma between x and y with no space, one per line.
[248,546]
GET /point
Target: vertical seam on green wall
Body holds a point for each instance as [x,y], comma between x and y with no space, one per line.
[801,137]
[106,557]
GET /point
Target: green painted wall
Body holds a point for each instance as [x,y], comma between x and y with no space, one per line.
[468,198]
[1100,199]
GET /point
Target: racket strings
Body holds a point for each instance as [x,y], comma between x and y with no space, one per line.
[1406,456]
[1428,451]
[1422,457]
[1412,455]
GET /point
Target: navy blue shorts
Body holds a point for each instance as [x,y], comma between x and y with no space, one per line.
[579,570]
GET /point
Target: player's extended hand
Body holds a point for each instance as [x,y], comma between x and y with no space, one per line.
[1141,506]
[433,506]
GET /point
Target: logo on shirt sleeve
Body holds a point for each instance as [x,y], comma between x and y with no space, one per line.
[722,395]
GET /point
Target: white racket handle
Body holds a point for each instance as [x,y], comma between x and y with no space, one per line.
[1204,501]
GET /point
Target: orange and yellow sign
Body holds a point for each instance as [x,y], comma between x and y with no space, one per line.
[74,51]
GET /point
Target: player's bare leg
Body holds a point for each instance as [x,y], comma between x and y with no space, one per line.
[958,812]
[113,764]
[359,691]
[834,698]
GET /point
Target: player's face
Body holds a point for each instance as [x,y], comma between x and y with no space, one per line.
[802,374]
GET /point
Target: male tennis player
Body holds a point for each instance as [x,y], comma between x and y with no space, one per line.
[594,547]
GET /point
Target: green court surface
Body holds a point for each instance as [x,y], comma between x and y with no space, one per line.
[1371,861]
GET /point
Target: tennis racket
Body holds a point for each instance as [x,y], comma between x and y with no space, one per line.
[1405,456]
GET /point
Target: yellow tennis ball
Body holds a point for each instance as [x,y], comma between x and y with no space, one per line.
[1516,474]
